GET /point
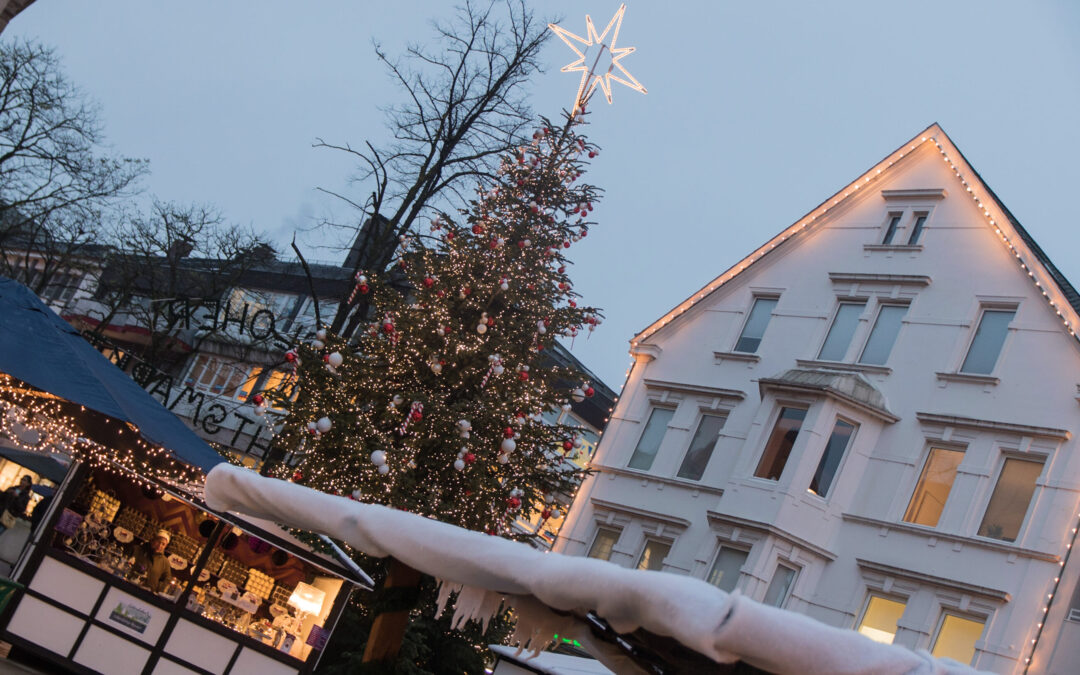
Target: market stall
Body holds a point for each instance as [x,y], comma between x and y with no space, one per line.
[129,571]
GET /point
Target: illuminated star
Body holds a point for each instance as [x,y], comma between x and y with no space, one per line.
[589,77]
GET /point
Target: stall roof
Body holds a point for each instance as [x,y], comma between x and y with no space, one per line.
[45,352]
[38,462]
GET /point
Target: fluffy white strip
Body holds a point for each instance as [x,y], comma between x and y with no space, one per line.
[722,627]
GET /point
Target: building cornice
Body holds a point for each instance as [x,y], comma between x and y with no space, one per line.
[880,279]
[952,584]
[923,194]
[695,389]
[667,519]
[993,425]
[723,518]
[666,480]
[927,533]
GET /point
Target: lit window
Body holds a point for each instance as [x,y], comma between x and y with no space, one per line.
[830,459]
[880,619]
[219,376]
[755,326]
[652,556]
[701,447]
[917,229]
[956,638]
[989,338]
[649,443]
[842,330]
[890,231]
[933,488]
[883,335]
[602,543]
[780,443]
[726,568]
[1011,499]
[249,384]
[777,593]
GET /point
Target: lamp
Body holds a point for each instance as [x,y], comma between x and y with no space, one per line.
[306,599]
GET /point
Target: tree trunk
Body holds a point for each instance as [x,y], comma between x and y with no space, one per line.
[388,629]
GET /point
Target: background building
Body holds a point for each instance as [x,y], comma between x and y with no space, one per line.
[870,420]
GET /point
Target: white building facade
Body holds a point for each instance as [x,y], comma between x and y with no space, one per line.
[871,420]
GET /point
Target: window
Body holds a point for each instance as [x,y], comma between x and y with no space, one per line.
[917,228]
[842,330]
[701,447]
[780,586]
[220,376]
[890,231]
[1012,495]
[780,443]
[726,568]
[602,543]
[649,443]
[62,287]
[883,335]
[880,619]
[932,490]
[956,638]
[830,459]
[652,556]
[754,329]
[988,341]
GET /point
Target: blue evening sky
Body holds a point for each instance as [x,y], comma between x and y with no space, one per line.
[756,112]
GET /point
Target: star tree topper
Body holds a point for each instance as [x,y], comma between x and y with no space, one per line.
[589,76]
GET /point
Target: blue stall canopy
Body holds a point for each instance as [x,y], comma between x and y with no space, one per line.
[45,352]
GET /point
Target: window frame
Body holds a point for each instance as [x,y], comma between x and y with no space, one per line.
[881,305]
[644,547]
[843,456]
[870,595]
[702,414]
[985,307]
[864,302]
[774,297]
[725,546]
[790,590]
[775,419]
[909,211]
[893,219]
[916,229]
[1032,458]
[950,611]
[924,465]
[596,535]
[653,407]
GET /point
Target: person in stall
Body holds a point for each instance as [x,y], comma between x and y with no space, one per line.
[15,500]
[151,557]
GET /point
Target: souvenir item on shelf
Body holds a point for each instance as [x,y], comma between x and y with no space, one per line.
[177,562]
[123,535]
[259,583]
[108,504]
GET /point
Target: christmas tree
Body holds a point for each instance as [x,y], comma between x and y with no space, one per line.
[437,405]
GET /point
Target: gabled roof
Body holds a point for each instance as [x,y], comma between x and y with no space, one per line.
[1062,297]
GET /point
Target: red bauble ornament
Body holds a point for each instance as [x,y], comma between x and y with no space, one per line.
[416,415]
[428,282]
[545,514]
[514,503]
[290,356]
[584,232]
[573,304]
[521,244]
[521,182]
[468,458]
[388,327]
[364,288]
[592,153]
[466,290]
[477,229]
[297,476]
[562,269]
[523,375]
[490,321]
[440,293]
[257,399]
[589,391]
[508,432]
[568,445]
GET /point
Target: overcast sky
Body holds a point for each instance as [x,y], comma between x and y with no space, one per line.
[756,112]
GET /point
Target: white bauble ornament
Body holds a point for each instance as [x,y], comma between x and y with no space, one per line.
[503,459]
[481,328]
[384,469]
[324,424]
[436,367]
[579,441]
[503,285]
[459,464]
[320,334]
[378,458]
[317,344]
[508,445]
[259,411]
[464,425]
[527,242]
[540,327]
[578,395]
[566,407]
[396,401]
[555,513]
[498,370]
[311,426]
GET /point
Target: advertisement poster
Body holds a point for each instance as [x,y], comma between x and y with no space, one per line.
[130,616]
[317,637]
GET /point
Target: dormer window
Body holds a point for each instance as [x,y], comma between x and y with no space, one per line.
[906,218]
